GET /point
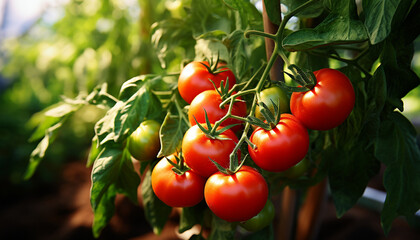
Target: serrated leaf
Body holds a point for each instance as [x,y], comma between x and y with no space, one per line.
[112,173]
[396,147]
[349,173]
[335,29]
[39,152]
[379,14]
[211,49]
[171,134]
[236,45]
[122,119]
[314,11]
[157,213]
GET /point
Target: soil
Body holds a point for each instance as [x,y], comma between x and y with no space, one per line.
[64,212]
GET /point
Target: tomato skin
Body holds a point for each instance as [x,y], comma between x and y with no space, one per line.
[328,104]
[297,170]
[209,101]
[262,219]
[144,143]
[282,147]
[176,190]
[236,197]
[197,148]
[278,96]
[194,79]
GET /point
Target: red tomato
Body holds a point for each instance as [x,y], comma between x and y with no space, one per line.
[236,197]
[328,104]
[209,101]
[175,190]
[282,147]
[197,150]
[194,79]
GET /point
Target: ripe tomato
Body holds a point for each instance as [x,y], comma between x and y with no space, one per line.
[282,147]
[275,94]
[209,102]
[328,104]
[262,219]
[194,79]
[197,150]
[144,143]
[175,190]
[236,197]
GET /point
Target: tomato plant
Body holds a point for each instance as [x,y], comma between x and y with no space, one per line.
[327,104]
[208,102]
[195,78]
[143,143]
[177,188]
[280,148]
[199,149]
[236,197]
[262,219]
[345,73]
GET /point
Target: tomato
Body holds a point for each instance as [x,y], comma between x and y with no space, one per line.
[194,79]
[328,104]
[236,197]
[262,219]
[175,190]
[275,94]
[197,149]
[209,102]
[144,142]
[282,147]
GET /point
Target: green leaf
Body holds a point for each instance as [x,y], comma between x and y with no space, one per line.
[272,7]
[396,147]
[191,216]
[157,213]
[221,229]
[237,47]
[171,134]
[335,29]
[349,173]
[112,173]
[312,12]
[379,14]
[211,49]
[39,152]
[95,150]
[400,78]
[341,26]
[122,119]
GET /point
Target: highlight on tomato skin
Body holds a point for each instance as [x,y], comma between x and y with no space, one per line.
[236,197]
[194,79]
[328,104]
[144,143]
[282,147]
[176,190]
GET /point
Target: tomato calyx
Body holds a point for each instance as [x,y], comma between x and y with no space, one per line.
[179,168]
[271,120]
[214,67]
[234,166]
[213,131]
[305,78]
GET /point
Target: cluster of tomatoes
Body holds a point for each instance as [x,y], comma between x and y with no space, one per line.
[241,194]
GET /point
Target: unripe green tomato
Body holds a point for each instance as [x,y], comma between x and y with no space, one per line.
[262,219]
[144,142]
[278,96]
[297,170]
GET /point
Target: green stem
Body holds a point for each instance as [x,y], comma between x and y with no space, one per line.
[259,33]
